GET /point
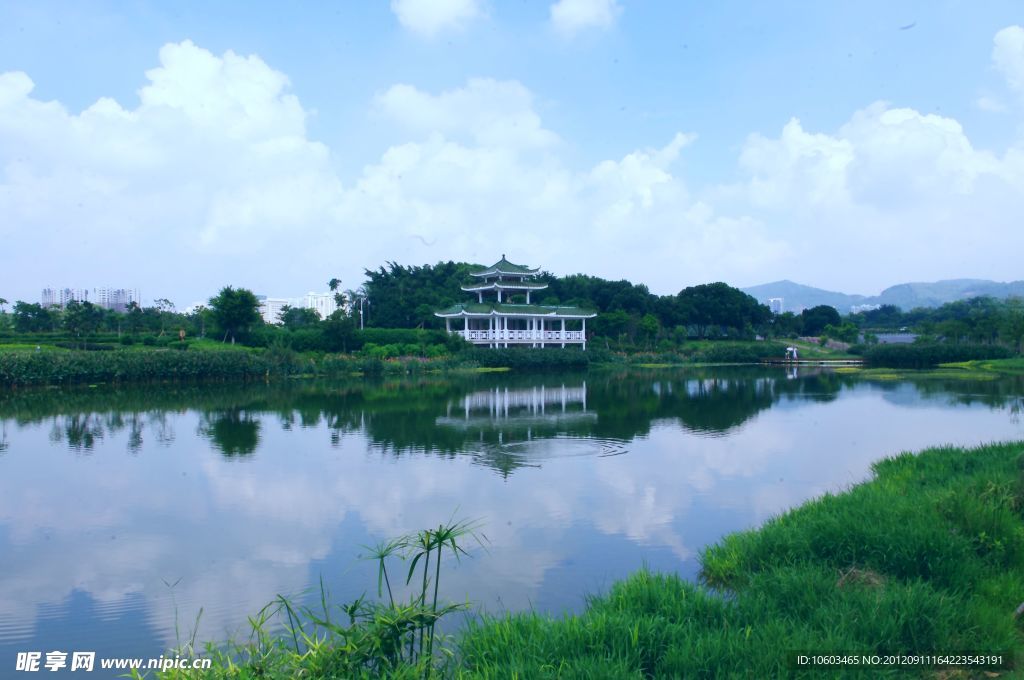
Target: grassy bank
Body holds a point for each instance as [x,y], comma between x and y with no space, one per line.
[208,360]
[54,366]
[925,558]
[999,366]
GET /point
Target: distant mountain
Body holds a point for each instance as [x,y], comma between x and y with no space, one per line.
[905,295]
[796,296]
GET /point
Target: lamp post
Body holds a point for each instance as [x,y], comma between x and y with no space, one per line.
[361,301]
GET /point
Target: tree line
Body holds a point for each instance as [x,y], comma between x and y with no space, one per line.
[396,296]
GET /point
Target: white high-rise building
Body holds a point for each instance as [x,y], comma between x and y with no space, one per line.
[775,304]
[60,297]
[117,299]
[271,308]
[321,303]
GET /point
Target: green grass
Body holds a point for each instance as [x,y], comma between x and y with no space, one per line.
[944,372]
[1009,366]
[926,557]
[26,347]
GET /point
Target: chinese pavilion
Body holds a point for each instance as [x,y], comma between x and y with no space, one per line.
[502,314]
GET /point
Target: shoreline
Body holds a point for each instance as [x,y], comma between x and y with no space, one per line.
[924,558]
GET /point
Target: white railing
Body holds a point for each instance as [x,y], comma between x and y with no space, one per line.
[520,336]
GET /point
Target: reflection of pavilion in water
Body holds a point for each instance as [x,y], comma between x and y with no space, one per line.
[517,427]
[502,409]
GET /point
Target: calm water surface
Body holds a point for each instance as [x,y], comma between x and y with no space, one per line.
[122,513]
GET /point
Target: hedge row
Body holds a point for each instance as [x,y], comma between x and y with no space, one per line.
[528,358]
[928,355]
[35,368]
[738,354]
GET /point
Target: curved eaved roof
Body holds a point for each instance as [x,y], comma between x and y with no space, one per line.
[505,285]
[485,309]
[503,266]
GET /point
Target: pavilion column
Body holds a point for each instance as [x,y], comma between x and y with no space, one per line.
[563,332]
[542,324]
[447,325]
[584,335]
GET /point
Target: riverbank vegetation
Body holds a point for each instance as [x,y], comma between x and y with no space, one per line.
[709,323]
[927,557]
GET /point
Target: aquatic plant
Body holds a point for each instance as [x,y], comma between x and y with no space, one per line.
[367,638]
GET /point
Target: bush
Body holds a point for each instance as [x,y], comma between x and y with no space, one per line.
[86,346]
[39,368]
[932,354]
[527,358]
[739,354]
[400,336]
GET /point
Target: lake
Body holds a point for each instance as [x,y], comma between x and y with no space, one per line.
[123,512]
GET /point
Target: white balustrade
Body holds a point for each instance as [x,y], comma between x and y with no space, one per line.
[520,336]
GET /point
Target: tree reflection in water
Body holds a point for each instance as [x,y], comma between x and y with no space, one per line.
[503,421]
[234,432]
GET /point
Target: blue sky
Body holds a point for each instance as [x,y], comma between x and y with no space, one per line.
[843,145]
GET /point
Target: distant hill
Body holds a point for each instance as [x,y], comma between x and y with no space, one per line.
[905,295]
[797,296]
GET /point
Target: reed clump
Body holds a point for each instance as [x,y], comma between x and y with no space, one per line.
[367,638]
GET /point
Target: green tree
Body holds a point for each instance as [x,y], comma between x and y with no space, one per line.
[649,327]
[165,310]
[717,307]
[845,332]
[814,320]
[3,303]
[235,312]
[82,319]
[31,317]
[133,317]
[1011,327]
[339,296]
[298,317]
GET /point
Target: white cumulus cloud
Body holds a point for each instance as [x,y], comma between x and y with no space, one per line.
[211,178]
[1008,56]
[485,111]
[430,17]
[572,16]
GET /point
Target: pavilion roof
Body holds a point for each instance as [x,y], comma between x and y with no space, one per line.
[506,309]
[503,266]
[506,285]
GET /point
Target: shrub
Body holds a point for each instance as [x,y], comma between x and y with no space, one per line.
[741,354]
[527,358]
[931,354]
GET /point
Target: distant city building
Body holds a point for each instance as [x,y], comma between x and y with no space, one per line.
[321,303]
[775,304]
[116,299]
[858,309]
[272,307]
[60,297]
